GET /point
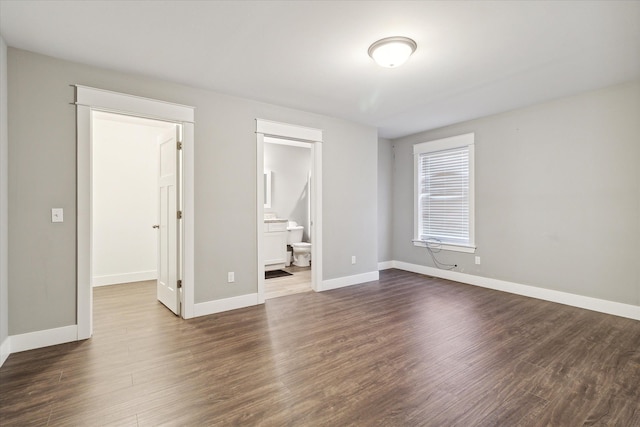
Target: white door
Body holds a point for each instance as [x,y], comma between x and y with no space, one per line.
[169,229]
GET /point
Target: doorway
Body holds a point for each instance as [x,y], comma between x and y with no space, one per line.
[287,166]
[283,134]
[88,101]
[129,233]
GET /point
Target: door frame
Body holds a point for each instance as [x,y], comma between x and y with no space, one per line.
[267,128]
[88,99]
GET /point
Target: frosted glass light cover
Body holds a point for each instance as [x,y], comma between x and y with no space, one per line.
[392,51]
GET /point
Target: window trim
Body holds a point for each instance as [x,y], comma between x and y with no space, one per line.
[459,141]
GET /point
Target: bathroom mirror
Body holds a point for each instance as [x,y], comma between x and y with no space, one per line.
[267,189]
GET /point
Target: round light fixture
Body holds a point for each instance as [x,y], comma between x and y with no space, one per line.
[392,52]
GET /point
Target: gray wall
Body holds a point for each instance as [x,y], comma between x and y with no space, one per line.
[350,202]
[290,168]
[385,199]
[42,148]
[557,195]
[4,136]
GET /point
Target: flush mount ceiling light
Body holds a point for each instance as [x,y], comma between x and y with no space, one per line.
[392,52]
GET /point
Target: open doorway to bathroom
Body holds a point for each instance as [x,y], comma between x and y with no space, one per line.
[287,239]
[277,224]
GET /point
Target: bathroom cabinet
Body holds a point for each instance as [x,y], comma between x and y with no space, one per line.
[274,245]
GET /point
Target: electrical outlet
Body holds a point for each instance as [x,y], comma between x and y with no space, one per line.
[231,277]
[353,259]
[477,260]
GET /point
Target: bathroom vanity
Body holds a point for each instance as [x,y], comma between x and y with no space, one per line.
[274,247]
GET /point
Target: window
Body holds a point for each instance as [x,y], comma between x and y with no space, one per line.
[444,193]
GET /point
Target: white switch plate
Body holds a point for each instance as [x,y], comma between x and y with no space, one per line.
[353,259]
[477,259]
[57,215]
[231,277]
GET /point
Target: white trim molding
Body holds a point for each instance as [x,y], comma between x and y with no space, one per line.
[5,350]
[316,216]
[260,216]
[248,300]
[227,304]
[289,131]
[84,297]
[385,265]
[45,338]
[446,246]
[188,223]
[356,279]
[116,279]
[574,300]
[106,100]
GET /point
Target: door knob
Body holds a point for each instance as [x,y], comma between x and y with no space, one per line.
[156,226]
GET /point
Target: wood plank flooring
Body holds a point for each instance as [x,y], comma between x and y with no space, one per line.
[300,281]
[407,350]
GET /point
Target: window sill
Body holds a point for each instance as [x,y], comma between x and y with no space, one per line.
[447,246]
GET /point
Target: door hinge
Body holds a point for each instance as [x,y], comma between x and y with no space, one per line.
[179,284]
[179,214]
[179,145]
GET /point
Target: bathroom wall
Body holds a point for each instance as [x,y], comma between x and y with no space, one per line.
[125,199]
[290,168]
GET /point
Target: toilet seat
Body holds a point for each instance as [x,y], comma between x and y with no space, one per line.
[301,254]
[301,245]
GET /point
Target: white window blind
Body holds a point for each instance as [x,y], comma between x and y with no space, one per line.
[444,195]
[444,191]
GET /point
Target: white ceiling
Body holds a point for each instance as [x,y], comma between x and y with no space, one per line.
[473,58]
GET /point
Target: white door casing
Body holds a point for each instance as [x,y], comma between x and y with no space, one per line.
[88,99]
[168,292]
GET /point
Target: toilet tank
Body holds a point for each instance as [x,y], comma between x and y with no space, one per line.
[294,232]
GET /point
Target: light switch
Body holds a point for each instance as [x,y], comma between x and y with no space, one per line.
[57,215]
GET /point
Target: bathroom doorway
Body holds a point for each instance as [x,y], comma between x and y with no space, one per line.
[287,166]
[289,209]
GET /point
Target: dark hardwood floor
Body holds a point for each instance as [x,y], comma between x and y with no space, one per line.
[407,350]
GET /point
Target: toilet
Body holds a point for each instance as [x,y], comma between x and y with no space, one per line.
[301,250]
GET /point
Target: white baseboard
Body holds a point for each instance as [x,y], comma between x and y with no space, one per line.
[5,350]
[116,279]
[38,339]
[385,265]
[581,301]
[217,306]
[356,279]
[242,301]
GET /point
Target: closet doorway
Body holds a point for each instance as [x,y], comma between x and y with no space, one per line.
[89,101]
[135,187]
